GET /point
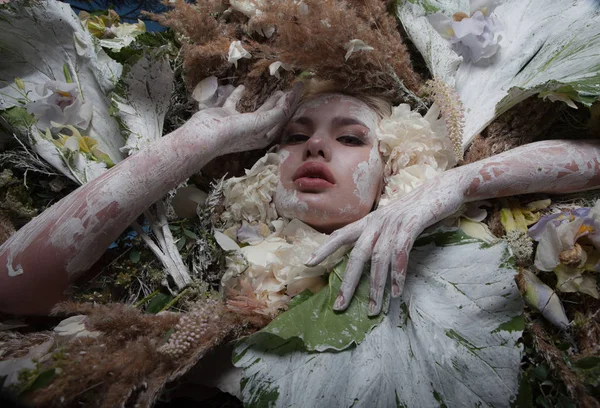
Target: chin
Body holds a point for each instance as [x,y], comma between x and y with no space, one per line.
[323,211]
[325,218]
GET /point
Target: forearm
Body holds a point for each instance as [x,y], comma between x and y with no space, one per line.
[552,166]
[68,238]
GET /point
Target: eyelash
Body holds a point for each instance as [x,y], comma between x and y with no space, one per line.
[299,138]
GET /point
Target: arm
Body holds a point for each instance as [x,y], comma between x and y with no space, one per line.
[42,258]
[387,235]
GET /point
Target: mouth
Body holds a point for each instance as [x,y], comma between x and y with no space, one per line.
[313,176]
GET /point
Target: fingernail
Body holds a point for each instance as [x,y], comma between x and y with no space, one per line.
[395,288]
[398,286]
[372,307]
[339,302]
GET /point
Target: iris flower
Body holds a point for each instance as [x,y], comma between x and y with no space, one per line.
[569,242]
[475,36]
[60,102]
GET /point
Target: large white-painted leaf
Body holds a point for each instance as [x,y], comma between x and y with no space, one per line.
[450,339]
[143,100]
[548,47]
[39,42]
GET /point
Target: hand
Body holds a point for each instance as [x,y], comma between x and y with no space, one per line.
[387,236]
[237,132]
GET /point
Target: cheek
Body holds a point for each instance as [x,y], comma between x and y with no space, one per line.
[366,178]
[287,160]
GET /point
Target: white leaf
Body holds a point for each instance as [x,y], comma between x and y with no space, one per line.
[12,366]
[226,243]
[38,41]
[142,109]
[205,89]
[356,45]
[237,52]
[452,339]
[546,47]
[274,68]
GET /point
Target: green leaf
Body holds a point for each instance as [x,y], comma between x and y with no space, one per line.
[318,326]
[19,119]
[540,372]
[158,302]
[587,363]
[134,255]
[189,234]
[41,380]
[525,396]
[299,298]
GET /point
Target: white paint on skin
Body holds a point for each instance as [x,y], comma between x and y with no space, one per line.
[315,103]
[288,204]
[366,174]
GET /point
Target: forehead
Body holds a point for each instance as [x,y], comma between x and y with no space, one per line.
[325,107]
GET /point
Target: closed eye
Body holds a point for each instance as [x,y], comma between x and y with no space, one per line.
[350,140]
[294,138]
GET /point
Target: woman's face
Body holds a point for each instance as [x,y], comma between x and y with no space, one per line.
[331,171]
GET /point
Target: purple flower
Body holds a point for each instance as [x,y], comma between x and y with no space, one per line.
[559,232]
[474,37]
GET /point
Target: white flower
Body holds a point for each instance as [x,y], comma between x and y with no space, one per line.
[475,37]
[406,180]
[249,198]
[237,52]
[72,328]
[249,8]
[274,68]
[276,269]
[122,35]
[415,148]
[356,45]
[60,102]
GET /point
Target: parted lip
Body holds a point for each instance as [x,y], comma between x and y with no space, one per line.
[314,170]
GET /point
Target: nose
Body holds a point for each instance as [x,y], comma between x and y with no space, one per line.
[317,145]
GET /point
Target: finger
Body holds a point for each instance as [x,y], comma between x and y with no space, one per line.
[234,98]
[380,266]
[358,257]
[271,102]
[344,236]
[400,264]
[258,124]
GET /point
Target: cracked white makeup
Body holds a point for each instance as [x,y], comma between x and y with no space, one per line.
[330,170]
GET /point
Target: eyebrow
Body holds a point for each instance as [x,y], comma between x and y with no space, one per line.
[337,121]
[345,121]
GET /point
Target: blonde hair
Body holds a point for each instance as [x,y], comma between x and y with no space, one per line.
[382,106]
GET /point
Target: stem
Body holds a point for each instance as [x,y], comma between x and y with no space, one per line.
[147,298]
[175,300]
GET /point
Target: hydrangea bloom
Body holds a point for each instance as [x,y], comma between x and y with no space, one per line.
[416,149]
[250,197]
[60,103]
[276,269]
[474,37]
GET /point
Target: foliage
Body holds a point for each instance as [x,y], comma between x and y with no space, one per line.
[280,32]
[452,359]
[318,326]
